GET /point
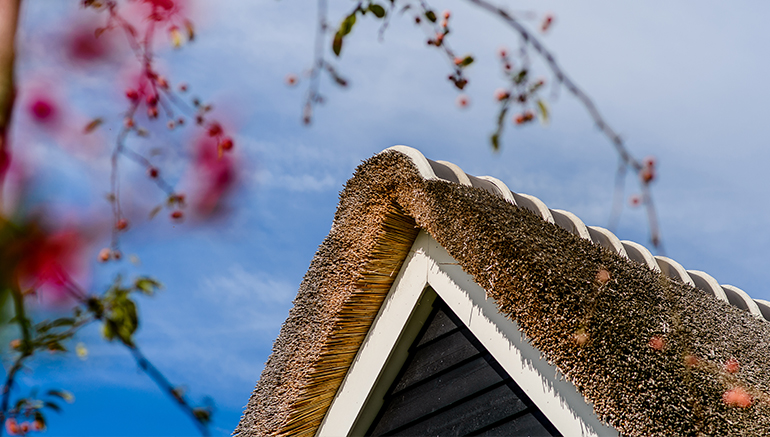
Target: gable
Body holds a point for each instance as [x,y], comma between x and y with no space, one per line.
[451,385]
[530,272]
[430,273]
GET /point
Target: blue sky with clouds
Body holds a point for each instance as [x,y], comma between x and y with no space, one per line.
[683,81]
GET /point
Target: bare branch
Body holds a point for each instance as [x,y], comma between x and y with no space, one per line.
[9,18]
[561,77]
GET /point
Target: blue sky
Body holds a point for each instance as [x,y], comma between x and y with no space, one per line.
[683,81]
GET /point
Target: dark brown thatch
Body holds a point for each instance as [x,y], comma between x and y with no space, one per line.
[598,333]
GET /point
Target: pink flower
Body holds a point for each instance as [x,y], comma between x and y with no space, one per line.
[215,173]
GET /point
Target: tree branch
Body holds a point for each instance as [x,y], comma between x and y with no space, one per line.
[562,78]
[9,18]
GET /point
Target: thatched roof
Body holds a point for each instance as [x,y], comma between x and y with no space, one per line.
[647,351]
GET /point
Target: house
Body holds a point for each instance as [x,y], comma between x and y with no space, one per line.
[443,304]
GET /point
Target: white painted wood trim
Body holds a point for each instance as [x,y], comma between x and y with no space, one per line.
[429,264]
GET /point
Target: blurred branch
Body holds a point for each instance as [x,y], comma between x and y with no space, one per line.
[561,77]
[201,416]
[9,18]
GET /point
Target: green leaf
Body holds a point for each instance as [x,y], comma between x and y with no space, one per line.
[52,406]
[93,125]
[495,142]
[430,15]
[377,10]
[337,44]
[521,77]
[147,285]
[543,108]
[202,414]
[40,417]
[155,211]
[108,331]
[347,24]
[62,394]
[63,321]
[468,60]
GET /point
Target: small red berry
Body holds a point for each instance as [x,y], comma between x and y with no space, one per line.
[291,79]
[104,254]
[42,109]
[226,143]
[647,175]
[152,172]
[732,365]
[12,426]
[116,254]
[24,427]
[132,94]
[635,200]
[502,52]
[152,112]
[37,426]
[177,215]
[649,161]
[182,87]
[128,122]
[547,22]
[152,99]
[215,129]
[458,61]
[180,121]
[501,94]
[447,14]
[121,225]
[444,24]
[463,101]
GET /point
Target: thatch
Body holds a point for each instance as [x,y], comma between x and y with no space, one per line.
[599,333]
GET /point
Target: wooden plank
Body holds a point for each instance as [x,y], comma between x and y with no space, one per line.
[526,425]
[469,416]
[435,357]
[410,405]
[441,324]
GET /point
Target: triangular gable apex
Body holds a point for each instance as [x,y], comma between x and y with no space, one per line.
[429,266]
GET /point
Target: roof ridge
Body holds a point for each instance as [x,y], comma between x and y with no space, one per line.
[450,172]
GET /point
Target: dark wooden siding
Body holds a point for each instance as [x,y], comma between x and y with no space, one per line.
[451,385]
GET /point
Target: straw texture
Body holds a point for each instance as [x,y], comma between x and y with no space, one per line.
[646,351]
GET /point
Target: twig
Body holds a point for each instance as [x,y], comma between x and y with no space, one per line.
[561,77]
[161,381]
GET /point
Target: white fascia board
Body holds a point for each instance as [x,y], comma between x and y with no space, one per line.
[429,264]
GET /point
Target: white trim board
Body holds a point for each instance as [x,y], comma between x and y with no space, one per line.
[399,320]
